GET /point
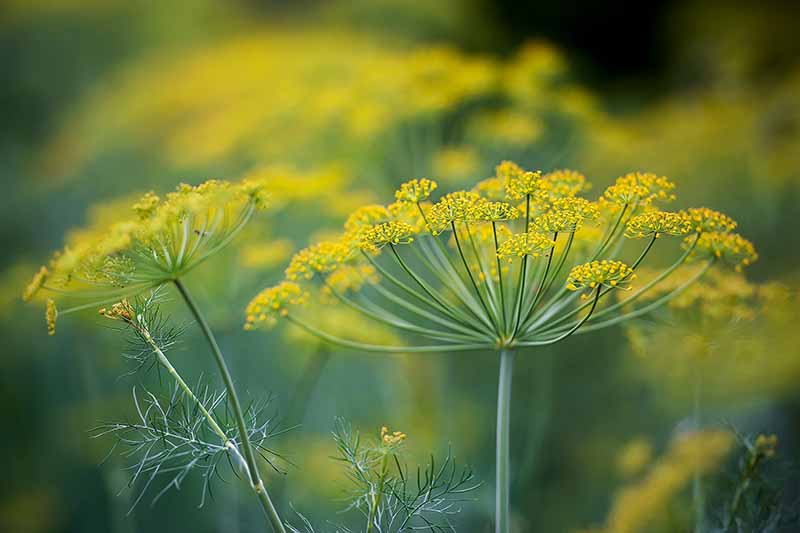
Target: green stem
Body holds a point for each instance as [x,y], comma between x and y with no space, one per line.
[698,498]
[503,460]
[376,500]
[256,484]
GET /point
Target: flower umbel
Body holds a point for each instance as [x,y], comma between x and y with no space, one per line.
[123,253]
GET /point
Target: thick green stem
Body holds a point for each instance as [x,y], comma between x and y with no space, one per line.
[256,483]
[503,459]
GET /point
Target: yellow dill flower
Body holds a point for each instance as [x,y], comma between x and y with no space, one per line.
[524,244]
[495,211]
[365,216]
[36,283]
[273,302]
[705,219]
[415,191]
[376,237]
[320,258]
[392,439]
[51,315]
[350,278]
[566,215]
[730,248]
[155,242]
[639,188]
[566,183]
[520,183]
[146,205]
[453,207]
[605,273]
[121,310]
[657,223]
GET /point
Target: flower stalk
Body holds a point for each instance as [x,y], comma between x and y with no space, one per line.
[256,483]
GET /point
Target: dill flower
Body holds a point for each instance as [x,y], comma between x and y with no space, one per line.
[505,277]
[524,244]
[566,215]
[274,302]
[156,242]
[416,190]
[320,258]
[605,273]
[705,219]
[639,188]
[376,237]
[51,315]
[391,439]
[730,248]
[658,223]
[565,183]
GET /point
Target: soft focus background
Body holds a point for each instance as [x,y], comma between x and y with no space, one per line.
[102,99]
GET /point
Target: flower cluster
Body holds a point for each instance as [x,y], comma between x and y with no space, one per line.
[391,439]
[639,188]
[273,302]
[129,248]
[373,238]
[517,249]
[658,223]
[598,274]
[730,248]
[415,191]
[524,244]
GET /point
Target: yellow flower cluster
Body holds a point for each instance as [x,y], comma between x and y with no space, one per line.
[524,244]
[453,207]
[565,183]
[658,223]
[320,258]
[273,302]
[730,248]
[705,219]
[351,277]
[639,188]
[520,183]
[599,273]
[365,216]
[51,315]
[121,310]
[375,237]
[495,211]
[126,249]
[36,283]
[415,191]
[392,439]
[566,215]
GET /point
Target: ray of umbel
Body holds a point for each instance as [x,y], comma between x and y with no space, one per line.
[520,261]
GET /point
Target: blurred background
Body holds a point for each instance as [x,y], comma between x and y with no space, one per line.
[102,99]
